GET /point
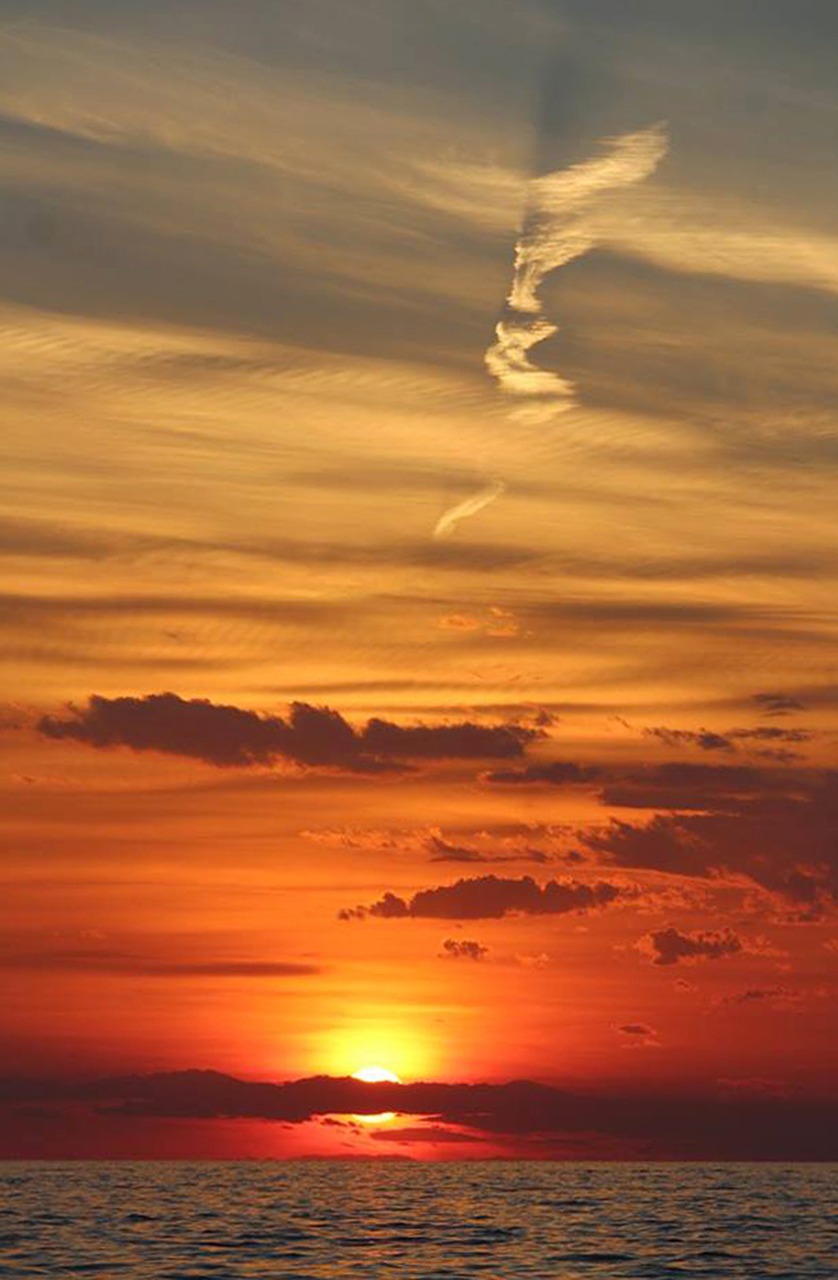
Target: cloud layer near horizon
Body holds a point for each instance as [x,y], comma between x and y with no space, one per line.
[523,1112]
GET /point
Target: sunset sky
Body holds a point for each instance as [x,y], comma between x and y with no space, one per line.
[419,542]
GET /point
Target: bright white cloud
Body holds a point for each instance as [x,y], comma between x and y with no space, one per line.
[558,227]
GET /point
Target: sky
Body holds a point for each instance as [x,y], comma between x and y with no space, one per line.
[417,578]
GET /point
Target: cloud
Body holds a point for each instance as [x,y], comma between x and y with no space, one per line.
[508,361]
[769,832]
[761,995]
[685,785]
[463,949]
[669,946]
[448,522]
[499,623]
[491,898]
[775,827]
[556,773]
[442,850]
[637,1035]
[409,1134]
[312,154]
[551,234]
[769,733]
[229,737]
[703,738]
[557,228]
[708,740]
[538,961]
[124,964]
[778,704]
[658,1126]
[464,741]
[689,233]
[507,845]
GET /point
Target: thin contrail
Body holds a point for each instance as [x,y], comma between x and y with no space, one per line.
[468,507]
[556,229]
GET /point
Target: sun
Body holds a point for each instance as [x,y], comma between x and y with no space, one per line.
[374,1074]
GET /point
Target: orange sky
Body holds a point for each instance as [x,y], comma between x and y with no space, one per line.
[573,818]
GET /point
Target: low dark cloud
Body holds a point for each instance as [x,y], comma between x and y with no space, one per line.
[411,1134]
[763,995]
[706,1126]
[492,897]
[638,1035]
[463,949]
[464,741]
[753,740]
[442,850]
[778,704]
[125,964]
[703,738]
[775,827]
[684,785]
[635,1029]
[770,733]
[558,773]
[230,737]
[669,946]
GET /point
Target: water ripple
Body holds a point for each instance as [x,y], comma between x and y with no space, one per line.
[349,1221]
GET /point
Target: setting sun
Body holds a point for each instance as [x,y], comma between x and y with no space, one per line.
[376,1075]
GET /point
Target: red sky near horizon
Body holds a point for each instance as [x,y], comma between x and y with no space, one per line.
[394,674]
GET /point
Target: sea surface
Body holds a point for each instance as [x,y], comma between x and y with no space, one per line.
[188,1221]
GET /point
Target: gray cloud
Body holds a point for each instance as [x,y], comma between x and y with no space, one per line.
[699,1125]
[777,827]
[493,897]
[778,704]
[709,740]
[125,964]
[670,946]
[463,949]
[442,850]
[231,737]
[556,773]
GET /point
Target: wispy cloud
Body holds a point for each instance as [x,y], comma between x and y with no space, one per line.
[690,232]
[557,228]
[449,520]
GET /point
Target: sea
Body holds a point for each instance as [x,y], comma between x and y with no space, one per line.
[451,1221]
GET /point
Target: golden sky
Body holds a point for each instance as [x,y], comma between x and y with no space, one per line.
[418,559]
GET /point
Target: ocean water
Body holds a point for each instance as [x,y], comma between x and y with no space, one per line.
[188,1221]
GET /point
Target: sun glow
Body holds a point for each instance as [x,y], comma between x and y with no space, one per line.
[370,1036]
[376,1075]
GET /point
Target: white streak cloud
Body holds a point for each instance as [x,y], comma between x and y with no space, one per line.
[468,507]
[558,227]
